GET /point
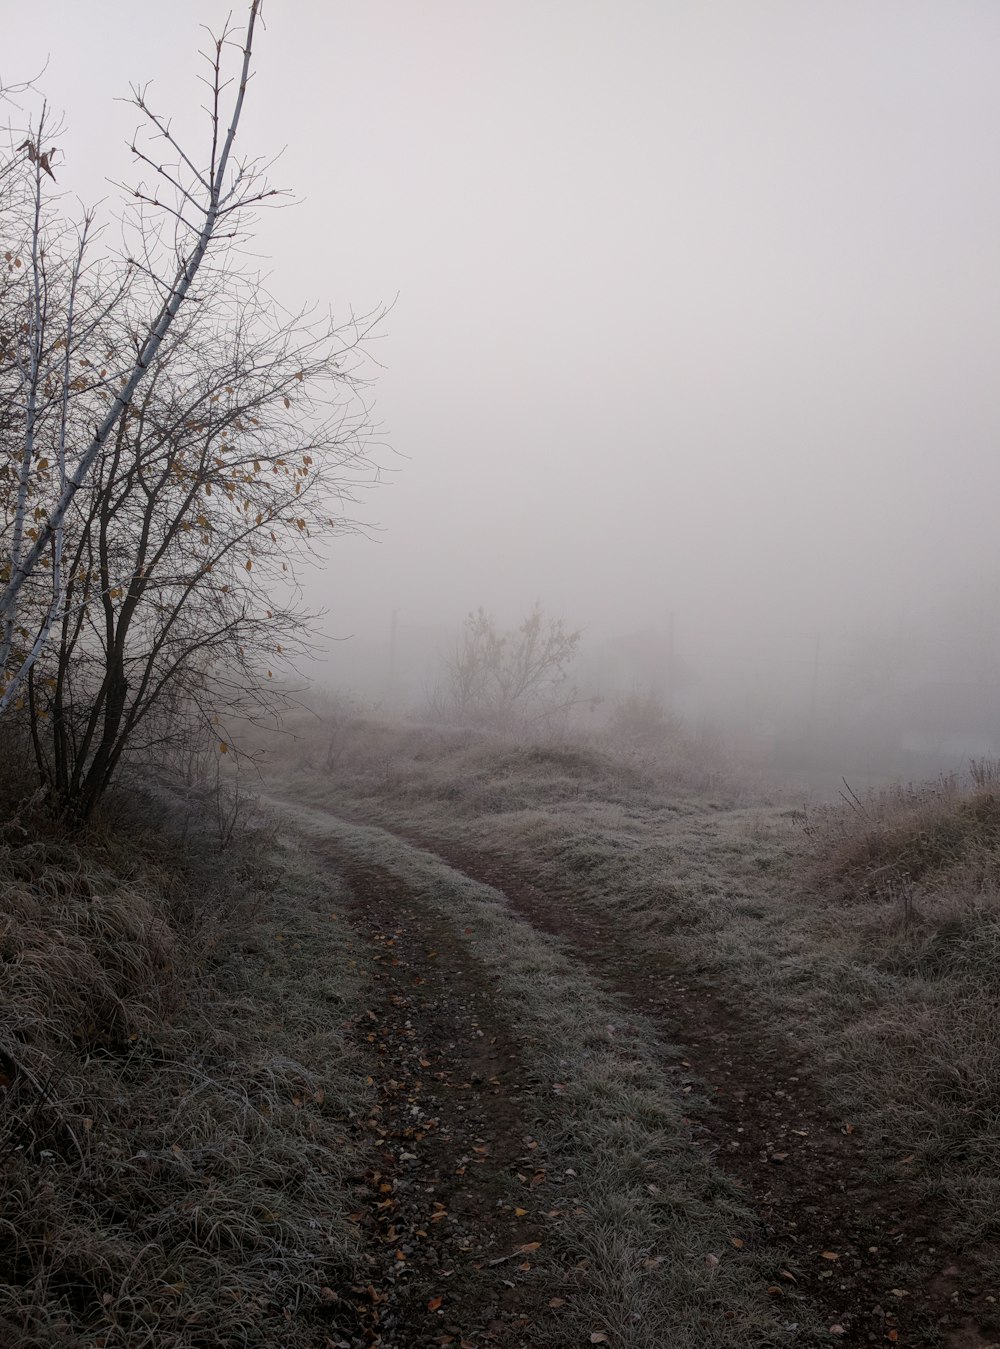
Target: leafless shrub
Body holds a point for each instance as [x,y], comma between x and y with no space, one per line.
[507,680]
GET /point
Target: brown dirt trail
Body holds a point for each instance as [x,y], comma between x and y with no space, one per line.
[858,1248]
[451,1250]
[865,1249]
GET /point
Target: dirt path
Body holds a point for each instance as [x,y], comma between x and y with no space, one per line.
[864,1248]
[857,1253]
[451,1145]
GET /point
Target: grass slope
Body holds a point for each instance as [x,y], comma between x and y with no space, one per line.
[174,1082]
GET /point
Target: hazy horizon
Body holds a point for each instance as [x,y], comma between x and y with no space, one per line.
[695,305]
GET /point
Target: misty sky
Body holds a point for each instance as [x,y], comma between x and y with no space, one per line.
[698,303]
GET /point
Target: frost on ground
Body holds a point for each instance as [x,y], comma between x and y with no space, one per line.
[610,1222]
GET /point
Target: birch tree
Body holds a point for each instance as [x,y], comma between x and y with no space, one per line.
[239,457]
[53,303]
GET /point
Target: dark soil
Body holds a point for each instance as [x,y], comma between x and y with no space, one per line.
[453,1199]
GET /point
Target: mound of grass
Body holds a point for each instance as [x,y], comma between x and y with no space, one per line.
[173,1168]
[417,760]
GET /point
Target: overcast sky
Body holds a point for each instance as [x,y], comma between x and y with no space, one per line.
[698,303]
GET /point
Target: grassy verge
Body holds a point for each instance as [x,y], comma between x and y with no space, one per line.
[174,1090]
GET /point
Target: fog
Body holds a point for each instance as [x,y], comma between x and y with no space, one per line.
[694,328]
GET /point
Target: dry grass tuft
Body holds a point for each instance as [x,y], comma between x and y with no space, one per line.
[934,835]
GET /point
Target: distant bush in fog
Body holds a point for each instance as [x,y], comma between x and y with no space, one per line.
[507,679]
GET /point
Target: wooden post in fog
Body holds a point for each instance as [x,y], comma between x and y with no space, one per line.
[814,692]
[668,696]
[390,689]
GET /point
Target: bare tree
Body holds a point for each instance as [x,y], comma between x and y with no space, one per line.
[151,587]
[45,335]
[239,455]
[503,678]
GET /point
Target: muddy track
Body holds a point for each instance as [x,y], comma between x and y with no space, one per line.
[450,1239]
[863,1248]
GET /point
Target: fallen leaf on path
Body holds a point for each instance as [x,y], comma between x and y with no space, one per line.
[433,1303]
[529,1246]
[829,1255]
[837,1329]
[735,1241]
[557,1302]
[599,1337]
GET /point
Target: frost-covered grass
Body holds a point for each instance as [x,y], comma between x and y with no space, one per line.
[647,1211]
[869,933]
[172,1077]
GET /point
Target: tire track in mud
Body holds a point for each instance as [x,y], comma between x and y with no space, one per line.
[865,1250]
[450,1247]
